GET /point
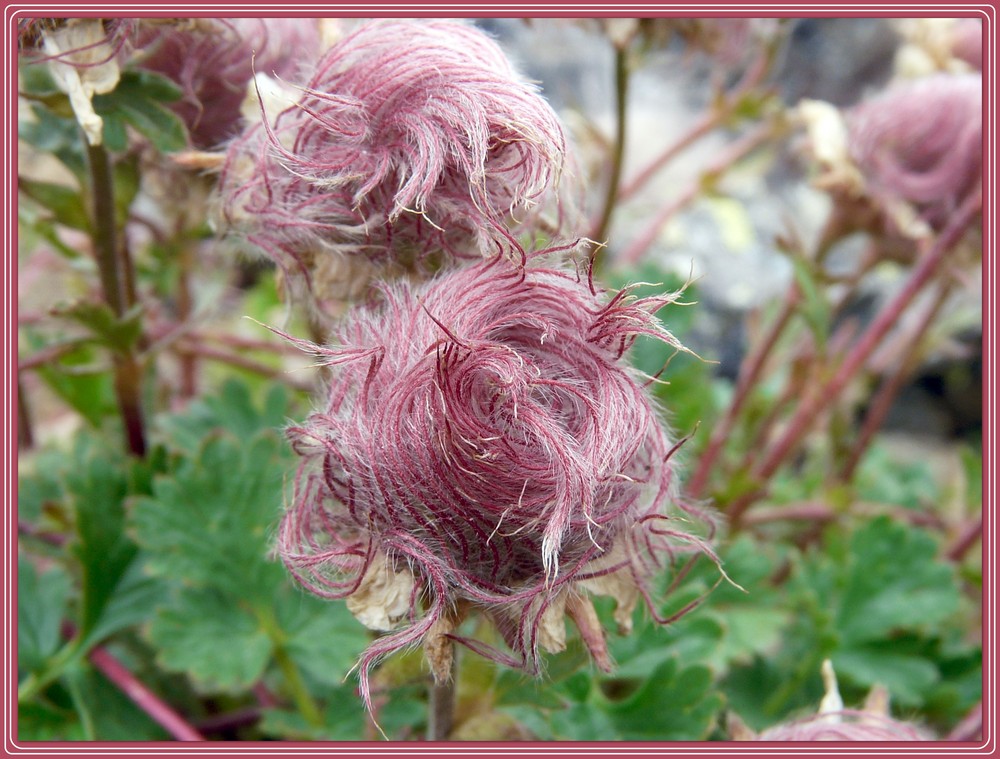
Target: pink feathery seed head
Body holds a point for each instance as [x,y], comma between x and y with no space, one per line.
[485,445]
[845,725]
[213,62]
[413,142]
[920,142]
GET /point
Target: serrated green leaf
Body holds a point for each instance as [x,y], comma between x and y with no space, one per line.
[210,521]
[908,678]
[213,638]
[893,582]
[41,607]
[309,624]
[231,410]
[97,487]
[674,703]
[65,203]
[135,598]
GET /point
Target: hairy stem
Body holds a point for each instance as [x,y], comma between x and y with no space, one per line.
[441,707]
[750,372]
[600,229]
[117,283]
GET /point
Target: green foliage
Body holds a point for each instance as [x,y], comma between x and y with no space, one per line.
[166,558]
[137,101]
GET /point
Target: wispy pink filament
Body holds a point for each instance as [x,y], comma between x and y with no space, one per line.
[484,433]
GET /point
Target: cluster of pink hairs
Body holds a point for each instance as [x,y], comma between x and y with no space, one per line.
[484,434]
[413,143]
[845,725]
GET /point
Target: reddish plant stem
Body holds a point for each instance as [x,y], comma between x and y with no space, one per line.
[220,723]
[814,404]
[48,355]
[967,538]
[889,390]
[750,371]
[142,696]
[241,362]
[813,511]
[600,228]
[25,436]
[709,121]
[734,153]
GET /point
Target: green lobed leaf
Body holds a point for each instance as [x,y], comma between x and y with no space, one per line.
[231,410]
[42,600]
[97,487]
[209,522]
[309,626]
[214,638]
[137,101]
[893,581]
[344,719]
[674,703]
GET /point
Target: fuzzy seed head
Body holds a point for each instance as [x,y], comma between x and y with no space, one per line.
[484,435]
[920,143]
[413,143]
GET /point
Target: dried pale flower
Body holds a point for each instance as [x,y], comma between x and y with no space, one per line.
[484,447]
[82,55]
[213,63]
[905,159]
[414,143]
[919,145]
